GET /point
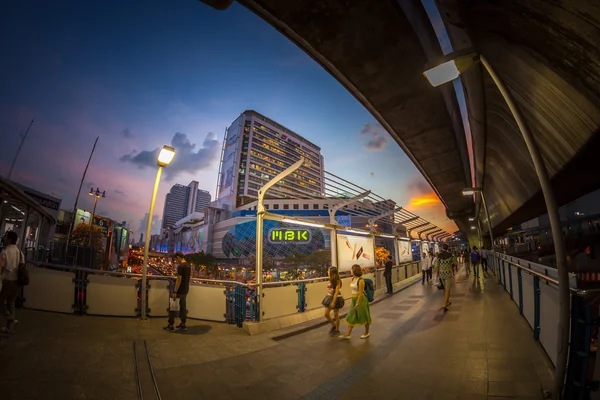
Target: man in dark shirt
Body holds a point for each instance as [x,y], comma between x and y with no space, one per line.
[182,287]
[388,275]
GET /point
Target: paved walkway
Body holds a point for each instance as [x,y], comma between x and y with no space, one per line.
[480,349]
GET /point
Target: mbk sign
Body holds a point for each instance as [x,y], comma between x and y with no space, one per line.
[284,235]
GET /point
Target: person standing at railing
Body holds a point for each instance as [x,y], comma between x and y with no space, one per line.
[334,300]
[359,313]
[10,258]
[426,268]
[387,273]
[182,288]
[444,265]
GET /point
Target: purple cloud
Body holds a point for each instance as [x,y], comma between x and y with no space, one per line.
[187,158]
[378,137]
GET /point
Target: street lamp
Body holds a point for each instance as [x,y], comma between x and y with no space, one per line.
[164,159]
[97,194]
[450,69]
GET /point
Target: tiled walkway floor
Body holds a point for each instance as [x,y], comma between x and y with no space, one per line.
[480,349]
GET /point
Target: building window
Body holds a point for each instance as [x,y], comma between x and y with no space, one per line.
[315,206]
[296,206]
[286,206]
[266,206]
[325,206]
[275,206]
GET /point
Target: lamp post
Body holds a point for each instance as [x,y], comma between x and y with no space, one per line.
[164,159]
[449,70]
[97,194]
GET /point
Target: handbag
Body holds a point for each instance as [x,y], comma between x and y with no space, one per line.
[440,284]
[22,273]
[327,300]
[173,305]
[339,302]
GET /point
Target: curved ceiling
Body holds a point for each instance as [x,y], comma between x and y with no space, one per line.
[546,52]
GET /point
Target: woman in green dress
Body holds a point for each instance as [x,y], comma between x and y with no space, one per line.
[359,313]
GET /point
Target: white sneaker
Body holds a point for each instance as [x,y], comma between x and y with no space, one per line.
[366,335]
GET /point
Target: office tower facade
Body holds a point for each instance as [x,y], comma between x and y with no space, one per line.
[255,150]
[182,201]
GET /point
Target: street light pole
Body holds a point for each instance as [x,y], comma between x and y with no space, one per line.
[147,242]
[96,195]
[164,158]
[557,234]
[489,224]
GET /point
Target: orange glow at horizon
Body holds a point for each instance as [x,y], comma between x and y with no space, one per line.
[425,200]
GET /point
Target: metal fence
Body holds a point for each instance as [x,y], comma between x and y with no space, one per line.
[533,288]
[86,291]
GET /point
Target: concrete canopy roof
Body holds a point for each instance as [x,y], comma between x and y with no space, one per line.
[547,53]
[12,195]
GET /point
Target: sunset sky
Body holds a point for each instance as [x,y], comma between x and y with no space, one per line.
[143,74]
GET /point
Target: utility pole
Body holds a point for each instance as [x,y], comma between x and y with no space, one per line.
[78,193]
[23,137]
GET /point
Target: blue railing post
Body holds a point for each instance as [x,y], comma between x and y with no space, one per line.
[520,281]
[510,284]
[230,305]
[536,307]
[253,308]
[302,297]
[504,275]
[577,383]
[80,282]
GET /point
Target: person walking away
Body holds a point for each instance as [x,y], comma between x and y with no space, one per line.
[334,300]
[359,313]
[10,258]
[444,263]
[182,288]
[425,268]
[484,260]
[465,258]
[475,260]
[387,273]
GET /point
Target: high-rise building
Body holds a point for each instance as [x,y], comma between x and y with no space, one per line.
[182,201]
[255,150]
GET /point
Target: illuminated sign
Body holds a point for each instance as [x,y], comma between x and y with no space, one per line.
[284,235]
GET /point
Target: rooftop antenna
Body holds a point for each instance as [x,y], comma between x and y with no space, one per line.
[23,137]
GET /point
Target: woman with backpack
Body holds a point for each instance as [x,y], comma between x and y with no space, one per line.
[359,313]
[334,301]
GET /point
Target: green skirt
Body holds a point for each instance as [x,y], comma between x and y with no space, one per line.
[361,316]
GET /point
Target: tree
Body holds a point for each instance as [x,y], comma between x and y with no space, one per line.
[381,253]
[81,237]
[320,261]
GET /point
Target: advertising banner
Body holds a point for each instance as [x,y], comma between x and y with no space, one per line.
[425,248]
[404,251]
[436,247]
[229,159]
[82,217]
[355,250]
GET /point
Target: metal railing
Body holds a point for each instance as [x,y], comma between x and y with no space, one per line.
[86,291]
[534,289]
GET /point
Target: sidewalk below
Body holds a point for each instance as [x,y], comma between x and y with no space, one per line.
[482,348]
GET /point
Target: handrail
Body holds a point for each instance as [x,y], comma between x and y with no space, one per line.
[194,280]
[129,274]
[576,291]
[545,277]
